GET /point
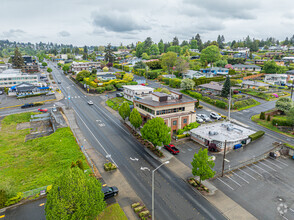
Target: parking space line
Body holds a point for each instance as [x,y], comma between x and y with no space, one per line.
[254,171]
[282,163]
[234,181]
[225,184]
[183,151]
[247,173]
[274,164]
[262,169]
[292,210]
[241,177]
[267,166]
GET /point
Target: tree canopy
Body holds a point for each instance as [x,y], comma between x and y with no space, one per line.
[284,104]
[135,118]
[187,84]
[75,195]
[272,67]
[202,165]
[128,77]
[210,54]
[168,61]
[124,110]
[17,60]
[226,88]
[157,132]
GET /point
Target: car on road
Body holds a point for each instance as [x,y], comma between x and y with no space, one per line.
[204,117]
[1,92]
[109,191]
[215,116]
[171,148]
[27,105]
[120,94]
[198,119]
[90,102]
[59,82]
[42,109]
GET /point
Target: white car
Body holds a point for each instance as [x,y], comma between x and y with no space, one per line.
[90,102]
[215,116]
[204,117]
[198,119]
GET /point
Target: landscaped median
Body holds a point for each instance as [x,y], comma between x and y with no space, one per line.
[35,163]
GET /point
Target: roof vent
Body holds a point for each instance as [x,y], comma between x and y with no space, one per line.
[212,133]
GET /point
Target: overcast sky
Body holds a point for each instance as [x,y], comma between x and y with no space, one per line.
[98,22]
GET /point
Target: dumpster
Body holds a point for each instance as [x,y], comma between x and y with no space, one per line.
[237,146]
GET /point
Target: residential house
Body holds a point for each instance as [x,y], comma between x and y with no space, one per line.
[253,84]
[79,66]
[244,67]
[176,110]
[276,79]
[132,92]
[216,70]
[288,59]
[216,134]
[139,79]
[105,76]
[212,87]
[290,74]
[170,76]
[191,74]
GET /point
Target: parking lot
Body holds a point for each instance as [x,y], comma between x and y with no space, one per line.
[264,188]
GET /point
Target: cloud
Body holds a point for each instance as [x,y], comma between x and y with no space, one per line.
[117,22]
[13,33]
[64,34]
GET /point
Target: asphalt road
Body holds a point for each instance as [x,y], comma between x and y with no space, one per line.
[174,199]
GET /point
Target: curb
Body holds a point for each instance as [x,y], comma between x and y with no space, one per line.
[49,100]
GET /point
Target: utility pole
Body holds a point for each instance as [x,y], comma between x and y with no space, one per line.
[224,157]
[229,114]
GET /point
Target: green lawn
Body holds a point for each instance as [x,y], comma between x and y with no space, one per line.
[268,124]
[114,103]
[112,212]
[263,95]
[28,165]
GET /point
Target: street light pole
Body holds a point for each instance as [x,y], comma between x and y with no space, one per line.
[224,157]
[229,114]
[153,171]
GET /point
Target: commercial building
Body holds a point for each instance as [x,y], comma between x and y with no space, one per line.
[176,110]
[133,92]
[13,77]
[25,89]
[217,133]
[79,66]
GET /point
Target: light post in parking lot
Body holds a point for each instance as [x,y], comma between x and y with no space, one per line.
[153,171]
[224,157]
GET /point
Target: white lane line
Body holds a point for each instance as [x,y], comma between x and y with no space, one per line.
[292,210]
[240,177]
[234,181]
[284,217]
[247,173]
[95,138]
[254,171]
[267,166]
[261,168]
[225,184]
[274,164]
[282,162]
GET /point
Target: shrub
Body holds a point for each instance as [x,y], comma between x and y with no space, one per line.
[48,188]
[200,106]
[134,205]
[281,122]
[262,88]
[109,166]
[244,103]
[109,87]
[268,118]
[256,135]
[180,131]
[3,198]
[139,209]
[144,213]
[14,199]
[100,89]
[38,103]
[220,104]
[262,116]
[191,126]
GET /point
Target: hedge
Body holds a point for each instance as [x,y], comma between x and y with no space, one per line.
[256,135]
[127,68]
[100,89]
[281,122]
[220,104]
[244,103]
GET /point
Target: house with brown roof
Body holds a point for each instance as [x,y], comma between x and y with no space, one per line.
[176,110]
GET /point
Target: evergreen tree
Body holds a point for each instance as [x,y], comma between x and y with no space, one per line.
[226,88]
[175,41]
[17,60]
[262,116]
[268,118]
[109,56]
[161,46]
[135,118]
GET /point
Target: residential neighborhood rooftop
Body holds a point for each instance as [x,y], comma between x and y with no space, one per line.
[137,87]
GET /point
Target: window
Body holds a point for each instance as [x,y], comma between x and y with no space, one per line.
[185,121]
[174,122]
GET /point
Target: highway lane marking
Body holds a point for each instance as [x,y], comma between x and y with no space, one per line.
[234,181]
[95,138]
[267,166]
[274,164]
[42,204]
[247,173]
[225,184]
[240,177]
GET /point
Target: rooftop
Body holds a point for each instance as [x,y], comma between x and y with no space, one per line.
[222,131]
[212,85]
[138,87]
[254,83]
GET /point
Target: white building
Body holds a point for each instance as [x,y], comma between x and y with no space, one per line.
[191,74]
[63,56]
[132,92]
[79,66]
[216,134]
[276,79]
[12,79]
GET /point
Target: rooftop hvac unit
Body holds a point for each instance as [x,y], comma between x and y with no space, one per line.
[212,133]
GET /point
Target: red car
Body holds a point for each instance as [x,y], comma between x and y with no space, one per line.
[43,110]
[171,148]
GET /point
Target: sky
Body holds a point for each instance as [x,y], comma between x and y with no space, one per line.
[99,22]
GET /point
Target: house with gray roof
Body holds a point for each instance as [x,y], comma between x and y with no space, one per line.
[253,84]
[244,67]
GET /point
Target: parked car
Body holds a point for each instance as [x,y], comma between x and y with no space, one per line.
[120,94]
[109,191]
[204,117]
[90,102]
[120,89]
[171,148]
[1,92]
[42,109]
[59,82]
[215,116]
[27,105]
[198,119]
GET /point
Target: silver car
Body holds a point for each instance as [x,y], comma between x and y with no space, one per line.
[198,119]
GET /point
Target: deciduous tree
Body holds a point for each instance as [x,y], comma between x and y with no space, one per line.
[75,195]
[284,104]
[156,131]
[128,77]
[187,84]
[182,66]
[202,165]
[49,70]
[210,54]
[124,110]
[169,60]
[135,118]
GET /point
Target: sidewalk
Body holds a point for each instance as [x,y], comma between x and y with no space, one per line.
[127,195]
[228,207]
